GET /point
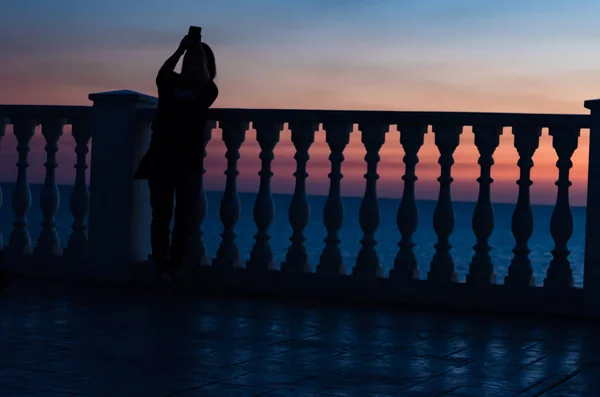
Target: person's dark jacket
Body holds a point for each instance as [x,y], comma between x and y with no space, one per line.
[177,141]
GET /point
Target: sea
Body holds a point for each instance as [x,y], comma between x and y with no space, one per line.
[462,238]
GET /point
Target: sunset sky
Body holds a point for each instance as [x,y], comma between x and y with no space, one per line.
[460,55]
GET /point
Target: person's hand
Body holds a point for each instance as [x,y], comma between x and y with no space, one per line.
[185,44]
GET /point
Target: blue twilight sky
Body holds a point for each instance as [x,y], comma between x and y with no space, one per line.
[465,55]
[505,55]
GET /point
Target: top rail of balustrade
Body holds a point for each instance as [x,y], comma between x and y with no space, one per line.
[35,112]
[397,117]
[327,116]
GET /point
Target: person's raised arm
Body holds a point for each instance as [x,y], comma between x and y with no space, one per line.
[194,65]
[171,62]
[203,76]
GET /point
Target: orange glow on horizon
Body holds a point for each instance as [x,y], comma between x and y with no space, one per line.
[465,171]
[306,91]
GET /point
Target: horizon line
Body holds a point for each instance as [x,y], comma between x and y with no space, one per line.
[3,183]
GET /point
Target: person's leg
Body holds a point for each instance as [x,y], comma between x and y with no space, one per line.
[161,201]
[187,192]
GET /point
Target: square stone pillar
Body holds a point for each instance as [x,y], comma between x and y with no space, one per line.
[591,268]
[119,216]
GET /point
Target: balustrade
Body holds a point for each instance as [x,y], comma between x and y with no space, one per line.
[367,261]
[24,121]
[520,272]
[228,254]
[442,264]
[296,259]
[337,136]
[48,242]
[405,264]
[81,130]
[261,257]
[197,249]
[131,112]
[481,270]
[20,241]
[564,141]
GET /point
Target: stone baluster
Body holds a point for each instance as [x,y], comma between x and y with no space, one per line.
[197,253]
[367,261]
[481,269]
[560,275]
[81,129]
[261,257]
[20,241]
[405,263]
[3,123]
[48,243]
[296,259]
[442,265]
[337,136]
[520,272]
[228,254]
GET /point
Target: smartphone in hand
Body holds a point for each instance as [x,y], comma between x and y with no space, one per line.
[195,32]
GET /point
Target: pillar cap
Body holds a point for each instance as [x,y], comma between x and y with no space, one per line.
[123,96]
[592,104]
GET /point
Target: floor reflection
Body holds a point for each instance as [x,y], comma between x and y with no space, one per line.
[57,340]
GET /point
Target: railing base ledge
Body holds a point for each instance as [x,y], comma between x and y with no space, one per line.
[324,287]
[380,291]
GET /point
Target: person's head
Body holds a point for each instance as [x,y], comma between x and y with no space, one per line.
[192,62]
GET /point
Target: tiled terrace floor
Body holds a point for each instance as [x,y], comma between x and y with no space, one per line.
[57,340]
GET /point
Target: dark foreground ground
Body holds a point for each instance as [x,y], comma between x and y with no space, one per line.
[60,340]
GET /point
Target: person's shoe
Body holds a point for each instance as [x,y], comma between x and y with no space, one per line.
[166,283]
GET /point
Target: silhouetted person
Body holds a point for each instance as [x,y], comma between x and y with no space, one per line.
[173,164]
